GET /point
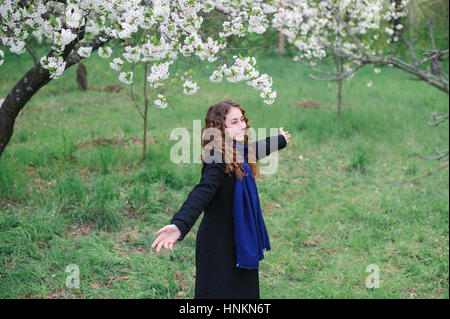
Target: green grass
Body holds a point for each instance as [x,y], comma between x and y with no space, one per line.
[74,189]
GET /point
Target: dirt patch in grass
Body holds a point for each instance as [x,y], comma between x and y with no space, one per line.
[81,230]
[114,141]
[306,104]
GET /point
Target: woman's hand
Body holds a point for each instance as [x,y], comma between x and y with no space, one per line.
[286,135]
[168,235]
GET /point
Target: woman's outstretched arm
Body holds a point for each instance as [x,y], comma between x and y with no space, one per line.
[270,144]
[196,202]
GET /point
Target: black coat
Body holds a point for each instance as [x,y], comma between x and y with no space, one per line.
[215,256]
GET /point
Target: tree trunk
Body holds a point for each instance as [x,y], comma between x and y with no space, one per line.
[144,148]
[281,39]
[339,65]
[339,87]
[29,85]
[22,92]
[281,43]
[81,76]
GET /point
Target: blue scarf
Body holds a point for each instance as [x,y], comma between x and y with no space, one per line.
[250,234]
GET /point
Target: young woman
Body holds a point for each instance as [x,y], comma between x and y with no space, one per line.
[232,236]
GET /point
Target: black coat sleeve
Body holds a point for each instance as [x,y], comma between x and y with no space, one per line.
[199,198]
[268,145]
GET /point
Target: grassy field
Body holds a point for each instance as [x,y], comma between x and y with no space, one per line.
[74,189]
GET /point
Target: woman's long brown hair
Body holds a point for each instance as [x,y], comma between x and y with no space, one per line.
[215,118]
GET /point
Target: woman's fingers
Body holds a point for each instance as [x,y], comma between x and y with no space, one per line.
[286,135]
[160,245]
[162,242]
[163,239]
[156,241]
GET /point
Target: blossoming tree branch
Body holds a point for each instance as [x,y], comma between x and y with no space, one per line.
[166,30]
[360,33]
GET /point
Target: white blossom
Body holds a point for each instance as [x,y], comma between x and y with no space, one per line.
[116,64]
[190,87]
[126,77]
[104,52]
[85,52]
[268,96]
[131,54]
[74,16]
[157,51]
[55,65]
[313,27]
[63,38]
[161,102]
[217,75]
[158,73]
[177,24]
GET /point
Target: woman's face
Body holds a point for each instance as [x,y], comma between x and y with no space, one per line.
[235,124]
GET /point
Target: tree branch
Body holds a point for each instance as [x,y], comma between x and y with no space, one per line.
[340,75]
[416,178]
[36,61]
